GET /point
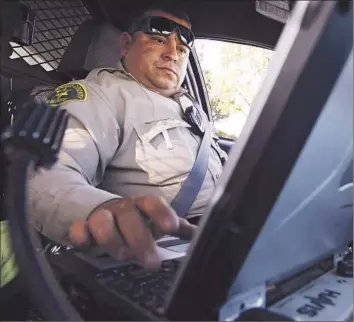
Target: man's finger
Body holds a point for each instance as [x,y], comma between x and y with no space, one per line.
[162,214]
[102,227]
[79,234]
[186,230]
[136,234]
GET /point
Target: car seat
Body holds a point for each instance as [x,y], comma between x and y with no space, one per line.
[94,45]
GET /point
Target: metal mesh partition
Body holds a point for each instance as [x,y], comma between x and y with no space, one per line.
[56,23]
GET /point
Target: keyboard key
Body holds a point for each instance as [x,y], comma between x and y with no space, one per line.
[148,301]
[120,273]
[168,269]
[141,286]
[121,286]
[157,286]
[159,310]
[134,294]
[167,284]
[133,267]
[144,275]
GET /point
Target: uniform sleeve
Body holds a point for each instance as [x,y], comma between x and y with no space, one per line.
[68,191]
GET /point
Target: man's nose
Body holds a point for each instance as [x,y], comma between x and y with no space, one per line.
[170,50]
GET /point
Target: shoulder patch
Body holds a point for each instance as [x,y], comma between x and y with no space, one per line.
[66,93]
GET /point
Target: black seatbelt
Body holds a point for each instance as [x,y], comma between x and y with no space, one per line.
[192,185]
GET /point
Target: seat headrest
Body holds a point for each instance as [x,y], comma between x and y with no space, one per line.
[94,45]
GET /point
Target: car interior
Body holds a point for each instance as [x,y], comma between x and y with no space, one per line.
[72,38]
[64,40]
[48,43]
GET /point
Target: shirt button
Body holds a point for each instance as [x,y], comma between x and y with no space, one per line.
[217,176]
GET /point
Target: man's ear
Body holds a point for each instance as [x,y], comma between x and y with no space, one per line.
[126,41]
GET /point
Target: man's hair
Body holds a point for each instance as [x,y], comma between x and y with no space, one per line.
[166,6]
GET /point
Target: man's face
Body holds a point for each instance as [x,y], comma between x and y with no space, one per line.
[157,62]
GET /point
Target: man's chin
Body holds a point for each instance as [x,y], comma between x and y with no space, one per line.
[166,87]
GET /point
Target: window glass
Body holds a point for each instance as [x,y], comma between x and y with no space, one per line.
[233,74]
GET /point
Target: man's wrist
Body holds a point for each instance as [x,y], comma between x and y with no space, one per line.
[104,204]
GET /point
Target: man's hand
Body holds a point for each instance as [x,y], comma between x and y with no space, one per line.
[120,228]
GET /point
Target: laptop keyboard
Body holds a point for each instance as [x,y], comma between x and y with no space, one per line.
[145,288]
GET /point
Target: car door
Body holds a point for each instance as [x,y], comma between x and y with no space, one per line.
[225,77]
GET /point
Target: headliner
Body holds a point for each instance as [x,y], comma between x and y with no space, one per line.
[228,20]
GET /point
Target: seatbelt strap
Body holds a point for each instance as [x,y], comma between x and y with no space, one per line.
[192,185]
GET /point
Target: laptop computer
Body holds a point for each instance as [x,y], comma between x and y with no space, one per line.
[284,200]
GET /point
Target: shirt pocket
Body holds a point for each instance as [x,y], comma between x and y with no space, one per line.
[164,150]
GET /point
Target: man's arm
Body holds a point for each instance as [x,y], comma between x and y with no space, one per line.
[66,205]
[68,193]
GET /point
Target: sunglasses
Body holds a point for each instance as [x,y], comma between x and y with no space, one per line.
[164,27]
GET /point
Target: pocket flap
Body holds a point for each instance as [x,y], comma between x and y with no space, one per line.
[147,131]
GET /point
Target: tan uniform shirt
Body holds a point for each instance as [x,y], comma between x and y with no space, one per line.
[122,140]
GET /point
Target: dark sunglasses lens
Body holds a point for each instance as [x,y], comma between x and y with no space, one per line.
[165,26]
[159,24]
[186,36]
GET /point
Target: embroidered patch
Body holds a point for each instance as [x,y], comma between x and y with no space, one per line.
[67,93]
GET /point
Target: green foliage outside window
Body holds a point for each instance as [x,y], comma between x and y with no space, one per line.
[233,74]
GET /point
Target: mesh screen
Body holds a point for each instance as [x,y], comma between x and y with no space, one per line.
[56,23]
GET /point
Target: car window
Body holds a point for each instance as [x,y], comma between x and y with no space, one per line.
[233,74]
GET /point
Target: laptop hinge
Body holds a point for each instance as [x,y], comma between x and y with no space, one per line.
[320,285]
[328,298]
[238,303]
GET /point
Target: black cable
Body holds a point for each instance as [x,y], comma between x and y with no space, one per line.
[44,289]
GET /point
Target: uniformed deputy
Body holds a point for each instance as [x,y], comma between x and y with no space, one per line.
[127,137]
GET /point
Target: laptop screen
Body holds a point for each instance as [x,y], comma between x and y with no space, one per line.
[313,215]
[279,205]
